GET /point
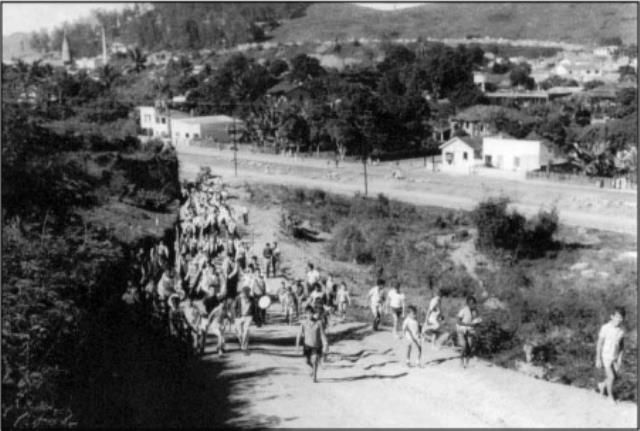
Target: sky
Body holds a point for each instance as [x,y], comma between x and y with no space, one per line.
[28,17]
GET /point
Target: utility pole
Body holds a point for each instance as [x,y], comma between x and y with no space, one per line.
[364,151]
[364,163]
[235,148]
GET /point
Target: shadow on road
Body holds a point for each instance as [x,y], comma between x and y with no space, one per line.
[362,377]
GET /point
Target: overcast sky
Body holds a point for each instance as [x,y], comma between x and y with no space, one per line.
[27,17]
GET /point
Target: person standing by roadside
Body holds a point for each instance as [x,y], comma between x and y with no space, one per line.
[609,350]
[376,299]
[267,255]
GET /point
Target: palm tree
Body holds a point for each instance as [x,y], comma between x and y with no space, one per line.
[138,58]
[108,74]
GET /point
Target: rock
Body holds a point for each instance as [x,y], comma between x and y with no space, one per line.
[494,303]
[579,266]
[536,371]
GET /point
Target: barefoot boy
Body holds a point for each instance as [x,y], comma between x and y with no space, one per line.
[609,351]
[468,320]
[315,340]
[411,332]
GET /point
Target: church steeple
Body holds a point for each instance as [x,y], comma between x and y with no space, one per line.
[66,54]
[105,58]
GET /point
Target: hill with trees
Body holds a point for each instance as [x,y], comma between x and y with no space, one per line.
[581,23]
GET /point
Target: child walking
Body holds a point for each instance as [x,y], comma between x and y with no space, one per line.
[315,341]
[343,299]
[609,351]
[411,332]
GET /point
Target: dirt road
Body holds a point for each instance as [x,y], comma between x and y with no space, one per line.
[365,382]
[578,206]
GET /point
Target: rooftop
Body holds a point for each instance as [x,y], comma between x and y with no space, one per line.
[210,119]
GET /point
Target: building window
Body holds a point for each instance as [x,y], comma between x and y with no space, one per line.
[177,134]
[465,156]
[516,162]
[487,161]
[195,136]
[164,120]
[157,120]
[186,135]
[448,158]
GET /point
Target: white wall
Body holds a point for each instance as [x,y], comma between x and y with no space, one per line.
[183,132]
[514,154]
[457,148]
[152,120]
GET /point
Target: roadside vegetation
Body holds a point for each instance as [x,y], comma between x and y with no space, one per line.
[528,278]
[76,202]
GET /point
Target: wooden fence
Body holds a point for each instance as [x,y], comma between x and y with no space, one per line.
[627,182]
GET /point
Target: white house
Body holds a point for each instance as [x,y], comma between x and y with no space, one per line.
[461,154]
[510,154]
[157,122]
[217,128]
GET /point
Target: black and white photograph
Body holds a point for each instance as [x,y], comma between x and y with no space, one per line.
[257,215]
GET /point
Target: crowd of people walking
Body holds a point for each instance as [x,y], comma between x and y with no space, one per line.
[212,281]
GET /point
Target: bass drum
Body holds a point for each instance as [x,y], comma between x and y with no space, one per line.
[264,302]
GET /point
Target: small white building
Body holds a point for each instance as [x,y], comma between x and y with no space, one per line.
[157,122]
[510,154]
[216,128]
[461,154]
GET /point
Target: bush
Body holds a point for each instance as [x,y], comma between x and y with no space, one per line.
[349,244]
[499,229]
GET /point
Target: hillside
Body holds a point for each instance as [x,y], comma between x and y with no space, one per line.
[562,22]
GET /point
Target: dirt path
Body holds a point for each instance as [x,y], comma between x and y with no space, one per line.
[578,206]
[365,383]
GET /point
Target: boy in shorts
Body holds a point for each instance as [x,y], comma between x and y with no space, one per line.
[343,299]
[396,303]
[411,332]
[609,351]
[467,321]
[315,341]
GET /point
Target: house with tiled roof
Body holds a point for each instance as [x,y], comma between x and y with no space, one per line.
[461,154]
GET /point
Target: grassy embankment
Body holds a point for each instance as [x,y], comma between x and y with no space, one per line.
[556,301]
[74,210]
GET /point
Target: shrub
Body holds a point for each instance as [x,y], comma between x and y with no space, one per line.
[499,229]
[349,243]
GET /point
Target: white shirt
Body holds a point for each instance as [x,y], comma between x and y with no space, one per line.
[313,277]
[434,303]
[376,295]
[410,326]
[611,345]
[396,299]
